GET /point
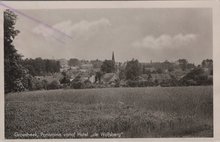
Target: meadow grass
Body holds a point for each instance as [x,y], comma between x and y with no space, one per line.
[135,112]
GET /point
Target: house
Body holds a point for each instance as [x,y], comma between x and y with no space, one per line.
[92,79]
[64,68]
[49,79]
[149,69]
[110,77]
[179,73]
[74,68]
[160,77]
[144,77]
[96,69]
[63,63]
[87,66]
[84,77]
[83,70]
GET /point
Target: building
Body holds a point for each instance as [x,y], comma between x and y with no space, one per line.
[149,69]
[160,77]
[113,57]
[110,77]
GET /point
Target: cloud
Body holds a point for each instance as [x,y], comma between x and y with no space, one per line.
[71,29]
[165,41]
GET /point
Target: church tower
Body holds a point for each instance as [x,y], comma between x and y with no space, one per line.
[113,57]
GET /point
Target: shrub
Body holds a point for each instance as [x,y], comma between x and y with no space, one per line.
[77,85]
[88,84]
[45,84]
[18,86]
[38,85]
[55,84]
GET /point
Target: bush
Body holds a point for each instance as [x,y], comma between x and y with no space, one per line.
[45,84]
[77,85]
[196,77]
[88,84]
[38,85]
[54,85]
[18,86]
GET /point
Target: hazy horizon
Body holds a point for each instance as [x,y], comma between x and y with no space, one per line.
[81,59]
[144,34]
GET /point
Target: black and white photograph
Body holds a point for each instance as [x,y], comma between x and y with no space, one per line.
[94,73]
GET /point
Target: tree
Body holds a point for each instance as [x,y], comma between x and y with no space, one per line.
[170,69]
[28,82]
[207,63]
[13,69]
[159,71]
[132,70]
[122,75]
[77,83]
[108,66]
[45,84]
[196,75]
[98,76]
[41,66]
[96,63]
[183,64]
[190,66]
[66,79]
[73,62]
[55,84]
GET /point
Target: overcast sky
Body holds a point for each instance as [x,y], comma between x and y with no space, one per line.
[143,34]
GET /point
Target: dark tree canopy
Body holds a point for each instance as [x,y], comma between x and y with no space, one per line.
[98,77]
[183,63]
[207,63]
[73,62]
[38,66]
[132,70]
[108,66]
[96,63]
[66,78]
[13,69]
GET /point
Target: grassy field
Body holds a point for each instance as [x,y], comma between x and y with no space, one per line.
[131,112]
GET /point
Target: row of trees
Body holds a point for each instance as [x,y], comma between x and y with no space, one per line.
[38,66]
[31,83]
[134,69]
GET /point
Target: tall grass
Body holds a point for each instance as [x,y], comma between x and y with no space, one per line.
[135,112]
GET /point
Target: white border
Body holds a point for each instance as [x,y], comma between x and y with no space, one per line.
[107,4]
[215,5]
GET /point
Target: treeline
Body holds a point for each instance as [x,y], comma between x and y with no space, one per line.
[195,77]
[32,83]
[39,67]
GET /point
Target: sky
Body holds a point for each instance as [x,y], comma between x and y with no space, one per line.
[156,34]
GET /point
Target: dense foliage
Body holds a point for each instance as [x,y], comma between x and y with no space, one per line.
[40,66]
[73,62]
[132,70]
[14,71]
[108,66]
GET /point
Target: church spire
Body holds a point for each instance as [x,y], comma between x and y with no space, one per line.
[113,57]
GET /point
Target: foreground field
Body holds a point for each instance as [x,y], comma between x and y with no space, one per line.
[125,112]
